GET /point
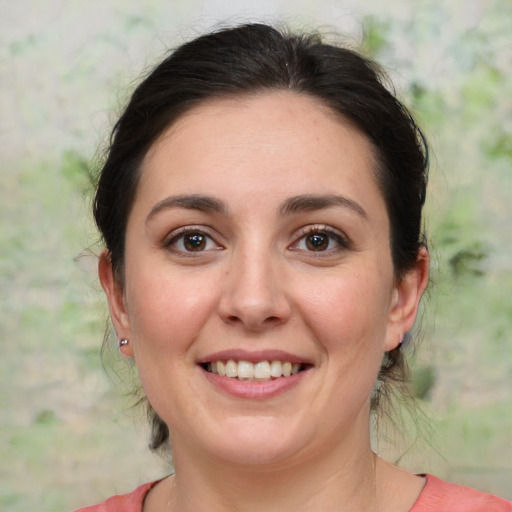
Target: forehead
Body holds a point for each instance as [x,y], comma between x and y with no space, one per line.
[263,114]
[259,142]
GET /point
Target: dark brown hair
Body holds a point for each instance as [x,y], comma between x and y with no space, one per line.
[252,58]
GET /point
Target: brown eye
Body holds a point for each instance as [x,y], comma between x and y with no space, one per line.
[194,242]
[317,242]
[321,239]
[190,241]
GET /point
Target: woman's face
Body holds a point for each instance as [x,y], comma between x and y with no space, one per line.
[259,241]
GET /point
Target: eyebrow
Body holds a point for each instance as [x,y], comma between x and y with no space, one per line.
[190,202]
[297,204]
[307,203]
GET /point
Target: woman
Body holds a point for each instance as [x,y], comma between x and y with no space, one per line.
[261,209]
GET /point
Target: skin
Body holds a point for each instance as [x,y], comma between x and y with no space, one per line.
[258,285]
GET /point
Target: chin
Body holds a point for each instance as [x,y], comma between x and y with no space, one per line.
[258,442]
[258,455]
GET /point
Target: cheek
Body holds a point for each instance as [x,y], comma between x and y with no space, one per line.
[349,311]
[166,311]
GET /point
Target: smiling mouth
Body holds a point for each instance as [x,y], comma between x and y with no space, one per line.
[263,371]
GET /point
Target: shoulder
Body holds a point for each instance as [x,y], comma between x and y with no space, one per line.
[131,502]
[439,495]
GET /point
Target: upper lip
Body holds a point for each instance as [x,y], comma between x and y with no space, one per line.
[254,356]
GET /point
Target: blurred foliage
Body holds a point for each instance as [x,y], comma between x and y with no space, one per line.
[76,169]
[424,380]
[375,36]
[46,417]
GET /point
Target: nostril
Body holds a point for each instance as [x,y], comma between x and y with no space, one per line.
[252,311]
[270,320]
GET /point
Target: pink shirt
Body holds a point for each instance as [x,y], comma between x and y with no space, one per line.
[437,496]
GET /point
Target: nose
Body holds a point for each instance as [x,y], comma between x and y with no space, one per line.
[254,292]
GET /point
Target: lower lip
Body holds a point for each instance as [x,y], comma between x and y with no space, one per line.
[254,390]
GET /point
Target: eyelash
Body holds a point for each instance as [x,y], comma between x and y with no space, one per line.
[175,237]
[342,240]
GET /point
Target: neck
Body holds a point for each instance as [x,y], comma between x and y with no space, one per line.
[343,478]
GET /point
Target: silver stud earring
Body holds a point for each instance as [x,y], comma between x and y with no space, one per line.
[123,342]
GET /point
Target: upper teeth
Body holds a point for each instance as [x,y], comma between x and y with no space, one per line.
[245,370]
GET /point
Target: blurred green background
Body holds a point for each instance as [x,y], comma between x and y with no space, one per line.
[67,435]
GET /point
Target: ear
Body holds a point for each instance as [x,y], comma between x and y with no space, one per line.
[115,296]
[406,299]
